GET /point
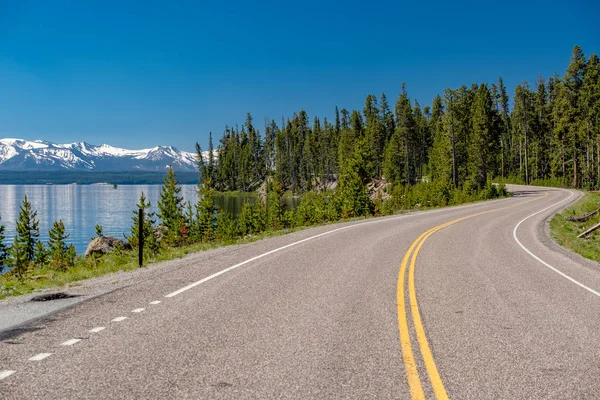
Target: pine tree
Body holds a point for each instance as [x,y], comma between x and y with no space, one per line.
[387,120]
[375,134]
[271,133]
[441,151]
[40,256]
[256,151]
[150,241]
[211,157]
[205,211]
[226,227]
[189,221]
[543,134]
[23,249]
[61,258]
[170,208]
[275,207]
[423,139]
[482,139]
[505,138]
[394,160]
[406,137]
[352,192]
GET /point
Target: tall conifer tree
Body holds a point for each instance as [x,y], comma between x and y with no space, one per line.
[62,256]
[23,249]
[170,207]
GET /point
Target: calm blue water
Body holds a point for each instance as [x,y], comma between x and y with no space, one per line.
[80,207]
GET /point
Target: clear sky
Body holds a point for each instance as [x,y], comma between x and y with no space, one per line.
[137,74]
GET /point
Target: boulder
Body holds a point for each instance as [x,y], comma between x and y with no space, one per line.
[378,189]
[104,245]
[160,232]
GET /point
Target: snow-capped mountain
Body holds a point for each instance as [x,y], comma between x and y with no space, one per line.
[39,155]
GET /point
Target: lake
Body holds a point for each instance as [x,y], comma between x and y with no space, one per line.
[82,207]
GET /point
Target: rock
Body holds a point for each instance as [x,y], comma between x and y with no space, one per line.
[327,185]
[160,233]
[378,190]
[262,190]
[104,245]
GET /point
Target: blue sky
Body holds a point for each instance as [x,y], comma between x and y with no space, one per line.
[137,74]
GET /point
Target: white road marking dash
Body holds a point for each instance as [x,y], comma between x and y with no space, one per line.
[119,319]
[98,329]
[40,356]
[70,342]
[138,310]
[6,374]
[155,302]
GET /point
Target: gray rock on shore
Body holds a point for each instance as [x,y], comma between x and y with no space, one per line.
[104,245]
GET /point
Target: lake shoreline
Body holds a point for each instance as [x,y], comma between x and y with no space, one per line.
[93,177]
[82,207]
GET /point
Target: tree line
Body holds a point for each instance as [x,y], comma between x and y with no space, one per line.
[467,136]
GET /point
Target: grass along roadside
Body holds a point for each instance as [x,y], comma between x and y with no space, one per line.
[86,268]
[565,232]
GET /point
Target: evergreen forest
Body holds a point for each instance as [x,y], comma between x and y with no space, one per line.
[548,132]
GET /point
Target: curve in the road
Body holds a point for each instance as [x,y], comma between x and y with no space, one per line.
[412,374]
[575,281]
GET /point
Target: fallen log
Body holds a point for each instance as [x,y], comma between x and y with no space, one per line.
[592,229]
[583,218]
[47,276]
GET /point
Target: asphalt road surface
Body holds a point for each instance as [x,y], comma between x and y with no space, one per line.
[483,306]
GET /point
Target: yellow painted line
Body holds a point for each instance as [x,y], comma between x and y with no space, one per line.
[434,376]
[412,374]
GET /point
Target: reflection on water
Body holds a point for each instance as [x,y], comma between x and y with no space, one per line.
[233,203]
[82,207]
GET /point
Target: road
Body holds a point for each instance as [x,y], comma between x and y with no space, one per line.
[368,309]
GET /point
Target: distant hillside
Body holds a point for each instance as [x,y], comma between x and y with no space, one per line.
[39,155]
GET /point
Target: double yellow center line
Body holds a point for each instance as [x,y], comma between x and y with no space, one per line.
[412,374]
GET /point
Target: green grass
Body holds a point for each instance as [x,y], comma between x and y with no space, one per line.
[86,268]
[565,232]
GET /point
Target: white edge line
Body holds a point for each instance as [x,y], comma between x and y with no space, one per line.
[208,278]
[544,262]
[39,357]
[70,342]
[6,374]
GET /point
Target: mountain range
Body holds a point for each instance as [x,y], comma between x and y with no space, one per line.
[40,155]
